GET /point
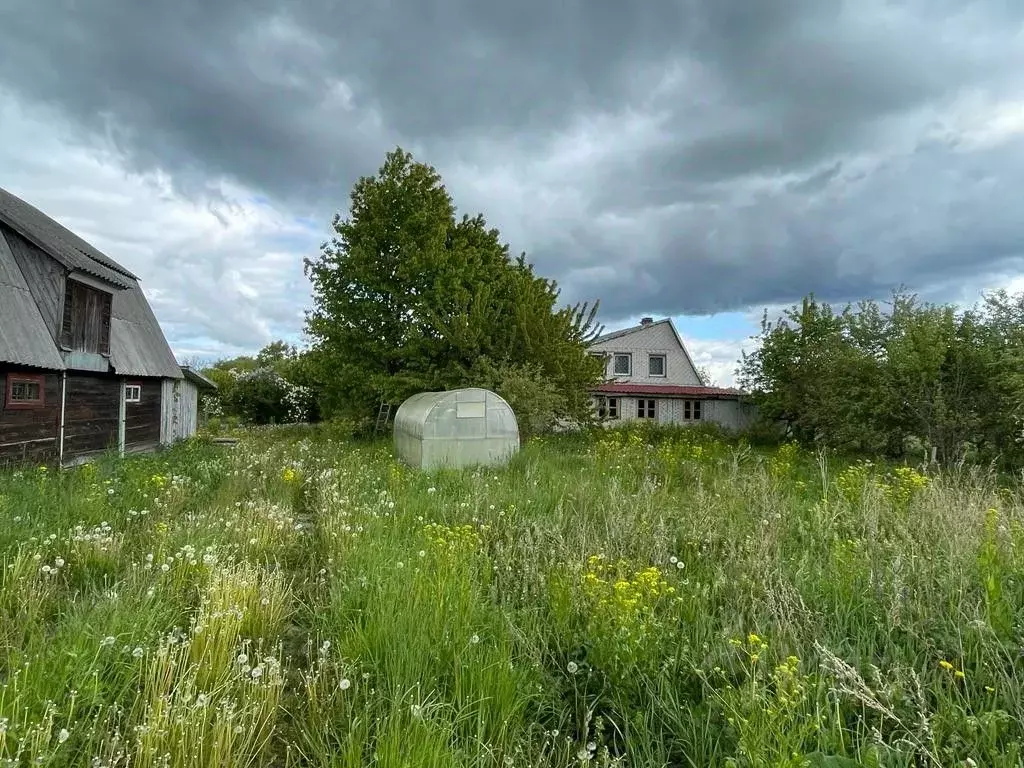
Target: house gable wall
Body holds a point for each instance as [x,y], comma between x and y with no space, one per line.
[658,338]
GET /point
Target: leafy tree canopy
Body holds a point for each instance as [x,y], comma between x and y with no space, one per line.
[408,297]
[912,375]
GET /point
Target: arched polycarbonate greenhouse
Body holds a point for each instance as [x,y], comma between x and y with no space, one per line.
[457,428]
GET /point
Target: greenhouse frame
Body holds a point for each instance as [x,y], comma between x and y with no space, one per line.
[455,429]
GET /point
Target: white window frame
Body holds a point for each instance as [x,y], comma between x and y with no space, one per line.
[645,412]
[664,366]
[629,360]
[133,393]
[693,410]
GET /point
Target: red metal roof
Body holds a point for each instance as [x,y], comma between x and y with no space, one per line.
[667,390]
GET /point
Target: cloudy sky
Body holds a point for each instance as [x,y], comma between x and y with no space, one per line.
[700,159]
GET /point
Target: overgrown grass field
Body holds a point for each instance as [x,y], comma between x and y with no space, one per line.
[636,599]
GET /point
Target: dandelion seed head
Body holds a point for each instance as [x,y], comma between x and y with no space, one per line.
[572,667]
[63,735]
[345,684]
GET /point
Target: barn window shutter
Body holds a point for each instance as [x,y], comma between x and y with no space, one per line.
[105,324]
[66,320]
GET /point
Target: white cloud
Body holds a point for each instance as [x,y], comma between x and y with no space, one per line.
[223,269]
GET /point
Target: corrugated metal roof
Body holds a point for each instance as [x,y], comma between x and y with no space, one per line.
[24,339]
[137,345]
[668,390]
[63,244]
[197,378]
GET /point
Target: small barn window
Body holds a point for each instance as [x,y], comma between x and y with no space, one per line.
[691,410]
[645,409]
[25,391]
[133,393]
[622,364]
[85,326]
[656,365]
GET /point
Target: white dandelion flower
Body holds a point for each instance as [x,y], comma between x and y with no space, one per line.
[59,562]
[345,684]
[572,667]
[474,639]
[680,565]
[108,641]
[63,735]
[137,653]
[242,659]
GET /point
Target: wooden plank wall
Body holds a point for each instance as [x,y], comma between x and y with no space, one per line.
[180,409]
[142,419]
[90,414]
[29,434]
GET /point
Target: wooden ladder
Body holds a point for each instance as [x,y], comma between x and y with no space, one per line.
[383,416]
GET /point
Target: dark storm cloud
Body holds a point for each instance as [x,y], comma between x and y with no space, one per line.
[780,146]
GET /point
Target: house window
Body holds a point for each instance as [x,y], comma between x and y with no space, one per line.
[133,393]
[656,365]
[25,391]
[645,409]
[608,407]
[85,326]
[691,410]
[622,364]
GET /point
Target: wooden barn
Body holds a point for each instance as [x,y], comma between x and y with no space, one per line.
[84,366]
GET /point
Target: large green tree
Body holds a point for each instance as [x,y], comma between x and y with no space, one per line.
[408,297]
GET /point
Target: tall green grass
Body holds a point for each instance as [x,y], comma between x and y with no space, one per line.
[632,598]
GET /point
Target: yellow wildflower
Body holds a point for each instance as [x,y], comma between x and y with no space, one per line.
[945,665]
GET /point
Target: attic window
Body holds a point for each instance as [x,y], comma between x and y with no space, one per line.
[656,365]
[25,391]
[622,365]
[85,326]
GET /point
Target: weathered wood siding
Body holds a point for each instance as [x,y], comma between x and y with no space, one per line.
[142,419]
[44,277]
[29,434]
[90,414]
[180,410]
[85,325]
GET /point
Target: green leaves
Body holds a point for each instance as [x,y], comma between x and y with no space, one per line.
[407,298]
[914,376]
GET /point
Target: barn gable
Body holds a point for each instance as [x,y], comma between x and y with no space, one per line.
[45,272]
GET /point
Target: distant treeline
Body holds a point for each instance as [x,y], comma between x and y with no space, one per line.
[901,379]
